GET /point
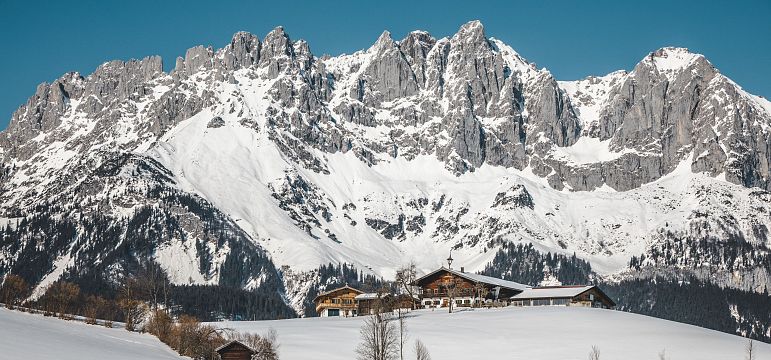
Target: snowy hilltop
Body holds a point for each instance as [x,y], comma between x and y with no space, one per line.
[253,165]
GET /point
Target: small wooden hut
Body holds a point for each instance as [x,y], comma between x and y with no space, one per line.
[235,350]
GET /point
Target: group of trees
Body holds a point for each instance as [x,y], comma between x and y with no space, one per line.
[384,336]
[526,264]
[142,303]
[191,338]
[673,299]
[13,291]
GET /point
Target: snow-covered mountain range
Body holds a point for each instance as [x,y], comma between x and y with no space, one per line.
[254,164]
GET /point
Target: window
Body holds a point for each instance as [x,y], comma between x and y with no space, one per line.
[560,301]
[333,312]
[436,302]
[467,301]
[518,303]
[427,303]
[540,302]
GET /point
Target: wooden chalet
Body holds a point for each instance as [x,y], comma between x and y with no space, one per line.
[337,302]
[235,350]
[576,295]
[465,289]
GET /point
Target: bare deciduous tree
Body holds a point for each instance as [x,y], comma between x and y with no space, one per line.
[402,332]
[449,284]
[749,350]
[13,291]
[421,351]
[406,277]
[379,340]
[95,305]
[595,353]
[60,297]
[480,292]
[153,284]
[128,301]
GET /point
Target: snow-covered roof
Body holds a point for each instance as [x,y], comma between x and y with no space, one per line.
[552,292]
[338,289]
[234,342]
[480,279]
[370,296]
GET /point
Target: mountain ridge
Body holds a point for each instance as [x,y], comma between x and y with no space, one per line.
[399,152]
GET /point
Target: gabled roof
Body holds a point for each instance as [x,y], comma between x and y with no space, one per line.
[346,287]
[550,292]
[479,279]
[234,342]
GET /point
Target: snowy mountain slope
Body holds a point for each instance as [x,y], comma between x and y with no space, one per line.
[29,336]
[259,156]
[538,332]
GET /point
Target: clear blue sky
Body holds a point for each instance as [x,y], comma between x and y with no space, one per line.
[573,39]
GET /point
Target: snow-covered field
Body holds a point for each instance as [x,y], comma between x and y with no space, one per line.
[28,336]
[541,333]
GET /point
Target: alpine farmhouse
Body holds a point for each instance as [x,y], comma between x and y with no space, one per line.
[447,287]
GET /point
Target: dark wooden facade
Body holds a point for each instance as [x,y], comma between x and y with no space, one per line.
[466,289]
[235,350]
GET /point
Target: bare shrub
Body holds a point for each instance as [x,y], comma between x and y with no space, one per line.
[595,353]
[266,345]
[161,325]
[421,351]
[191,338]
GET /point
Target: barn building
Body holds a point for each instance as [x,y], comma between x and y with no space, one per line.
[235,350]
[369,303]
[337,302]
[576,295]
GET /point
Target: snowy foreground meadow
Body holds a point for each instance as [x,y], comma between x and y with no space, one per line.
[542,333]
[35,337]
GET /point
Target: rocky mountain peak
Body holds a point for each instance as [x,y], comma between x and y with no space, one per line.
[384,40]
[670,61]
[276,52]
[243,51]
[471,33]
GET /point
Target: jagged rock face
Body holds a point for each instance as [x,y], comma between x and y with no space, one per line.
[409,147]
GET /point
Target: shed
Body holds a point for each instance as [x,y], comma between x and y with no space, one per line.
[235,350]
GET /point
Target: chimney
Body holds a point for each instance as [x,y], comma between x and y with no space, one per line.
[462,269]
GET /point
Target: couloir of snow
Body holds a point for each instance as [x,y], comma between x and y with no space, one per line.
[35,337]
[544,333]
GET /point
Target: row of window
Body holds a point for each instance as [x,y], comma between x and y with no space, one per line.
[340,301]
[461,291]
[540,302]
